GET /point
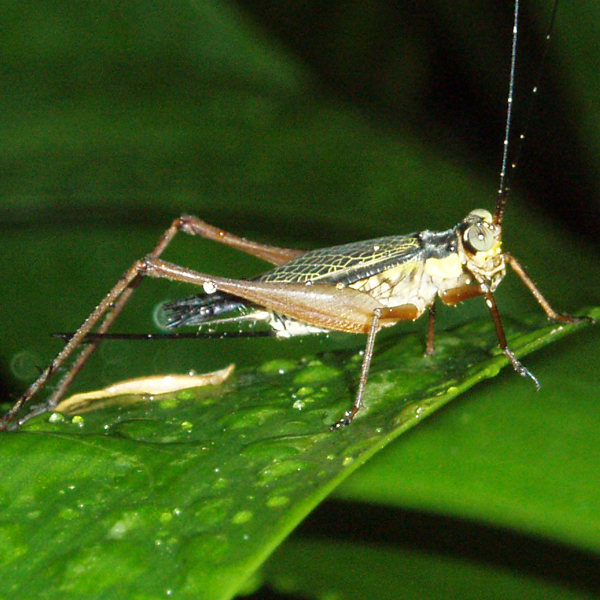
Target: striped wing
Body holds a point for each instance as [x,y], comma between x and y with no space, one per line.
[348,263]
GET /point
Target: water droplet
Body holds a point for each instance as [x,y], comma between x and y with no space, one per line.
[209,287]
[249,417]
[278,448]
[68,514]
[277,501]
[281,469]
[118,530]
[209,512]
[277,367]
[170,402]
[160,316]
[243,516]
[315,374]
[305,391]
[221,484]
[25,365]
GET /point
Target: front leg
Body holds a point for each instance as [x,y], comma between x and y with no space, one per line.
[552,314]
[517,365]
[456,295]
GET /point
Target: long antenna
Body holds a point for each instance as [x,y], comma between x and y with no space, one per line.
[502,190]
[505,177]
[194,335]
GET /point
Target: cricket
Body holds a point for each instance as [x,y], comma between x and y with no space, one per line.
[359,287]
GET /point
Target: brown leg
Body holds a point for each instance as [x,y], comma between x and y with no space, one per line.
[430,345]
[114,302]
[366,365]
[112,312]
[453,296]
[272,254]
[115,298]
[518,367]
[520,271]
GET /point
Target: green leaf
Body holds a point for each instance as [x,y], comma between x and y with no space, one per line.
[321,569]
[505,456]
[189,493]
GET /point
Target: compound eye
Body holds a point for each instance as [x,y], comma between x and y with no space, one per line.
[480,238]
[481,213]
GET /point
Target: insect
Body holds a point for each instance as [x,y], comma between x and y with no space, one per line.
[360,287]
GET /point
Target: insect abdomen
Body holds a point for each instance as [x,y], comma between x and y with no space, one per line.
[200,309]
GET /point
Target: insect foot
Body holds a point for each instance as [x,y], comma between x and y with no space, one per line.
[521,369]
[343,422]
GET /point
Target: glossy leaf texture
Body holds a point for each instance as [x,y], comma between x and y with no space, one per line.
[186,494]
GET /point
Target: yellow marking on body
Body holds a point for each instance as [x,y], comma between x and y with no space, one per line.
[384,284]
[445,268]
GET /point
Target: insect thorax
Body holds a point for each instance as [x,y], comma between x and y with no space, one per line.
[417,282]
[468,254]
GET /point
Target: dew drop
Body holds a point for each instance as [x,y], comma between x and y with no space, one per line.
[280,469]
[305,391]
[25,365]
[210,512]
[243,516]
[314,374]
[68,514]
[277,367]
[166,517]
[277,501]
[209,287]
